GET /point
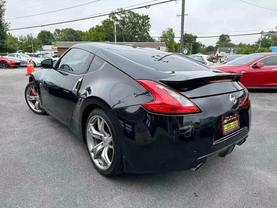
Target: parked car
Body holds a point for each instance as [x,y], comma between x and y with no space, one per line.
[141,110]
[203,59]
[258,70]
[23,58]
[8,62]
[229,58]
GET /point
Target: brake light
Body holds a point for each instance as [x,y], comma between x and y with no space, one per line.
[245,103]
[167,100]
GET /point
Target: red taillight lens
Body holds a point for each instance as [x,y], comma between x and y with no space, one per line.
[167,100]
[245,103]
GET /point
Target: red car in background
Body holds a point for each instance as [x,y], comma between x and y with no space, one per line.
[8,62]
[258,70]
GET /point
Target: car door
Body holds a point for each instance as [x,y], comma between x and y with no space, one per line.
[270,71]
[60,86]
[265,76]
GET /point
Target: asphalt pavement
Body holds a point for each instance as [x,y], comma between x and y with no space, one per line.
[42,164]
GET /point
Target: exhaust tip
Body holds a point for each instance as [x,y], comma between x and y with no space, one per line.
[197,167]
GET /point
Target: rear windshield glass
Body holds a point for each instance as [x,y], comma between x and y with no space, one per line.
[246,59]
[162,61]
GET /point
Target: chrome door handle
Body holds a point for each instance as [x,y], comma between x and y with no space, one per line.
[77,85]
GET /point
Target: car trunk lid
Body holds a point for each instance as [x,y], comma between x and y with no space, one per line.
[195,84]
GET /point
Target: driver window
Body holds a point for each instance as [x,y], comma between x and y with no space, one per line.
[75,61]
[270,61]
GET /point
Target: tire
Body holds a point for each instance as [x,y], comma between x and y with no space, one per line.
[115,168]
[34,102]
[3,64]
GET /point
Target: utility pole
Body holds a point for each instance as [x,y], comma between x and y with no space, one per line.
[114,22]
[182,26]
[260,42]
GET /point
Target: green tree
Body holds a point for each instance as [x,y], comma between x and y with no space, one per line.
[46,37]
[224,41]
[210,49]
[132,26]
[28,43]
[3,27]
[68,34]
[269,39]
[191,44]
[251,48]
[12,43]
[103,32]
[168,36]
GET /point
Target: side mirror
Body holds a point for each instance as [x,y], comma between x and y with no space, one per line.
[47,63]
[258,65]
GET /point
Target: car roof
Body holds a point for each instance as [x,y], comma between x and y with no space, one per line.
[95,47]
[124,58]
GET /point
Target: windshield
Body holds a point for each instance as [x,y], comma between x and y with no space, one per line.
[197,58]
[246,59]
[24,55]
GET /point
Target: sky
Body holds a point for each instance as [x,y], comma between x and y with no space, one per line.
[203,17]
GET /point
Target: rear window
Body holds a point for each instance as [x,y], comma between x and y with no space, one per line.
[161,61]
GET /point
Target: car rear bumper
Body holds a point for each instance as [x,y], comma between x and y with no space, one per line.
[157,143]
[181,160]
[238,137]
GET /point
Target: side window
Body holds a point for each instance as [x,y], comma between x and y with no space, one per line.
[96,64]
[270,61]
[75,61]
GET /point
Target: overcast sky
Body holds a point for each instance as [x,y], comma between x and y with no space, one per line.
[204,17]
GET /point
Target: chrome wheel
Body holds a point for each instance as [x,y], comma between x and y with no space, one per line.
[33,99]
[100,142]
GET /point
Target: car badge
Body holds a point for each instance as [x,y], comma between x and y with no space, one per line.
[233,99]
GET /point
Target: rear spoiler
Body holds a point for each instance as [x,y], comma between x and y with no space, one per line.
[193,81]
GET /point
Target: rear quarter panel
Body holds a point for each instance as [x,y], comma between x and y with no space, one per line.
[109,88]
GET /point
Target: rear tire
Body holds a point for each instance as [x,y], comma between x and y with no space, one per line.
[32,99]
[107,159]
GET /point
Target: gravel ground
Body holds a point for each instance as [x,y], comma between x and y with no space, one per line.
[42,164]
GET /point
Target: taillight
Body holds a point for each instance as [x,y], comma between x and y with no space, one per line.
[245,103]
[167,100]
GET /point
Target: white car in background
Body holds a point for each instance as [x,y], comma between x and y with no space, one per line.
[23,58]
[203,59]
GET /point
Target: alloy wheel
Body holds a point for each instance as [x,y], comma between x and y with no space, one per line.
[100,142]
[33,99]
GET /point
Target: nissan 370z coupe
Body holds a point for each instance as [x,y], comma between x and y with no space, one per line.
[142,110]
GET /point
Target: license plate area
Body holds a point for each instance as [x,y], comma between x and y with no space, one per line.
[230,123]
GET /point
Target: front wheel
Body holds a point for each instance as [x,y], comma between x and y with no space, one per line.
[33,99]
[103,143]
[3,64]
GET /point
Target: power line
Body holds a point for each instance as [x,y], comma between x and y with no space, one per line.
[91,17]
[231,35]
[259,6]
[53,11]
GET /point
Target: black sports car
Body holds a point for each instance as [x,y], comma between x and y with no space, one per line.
[142,110]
